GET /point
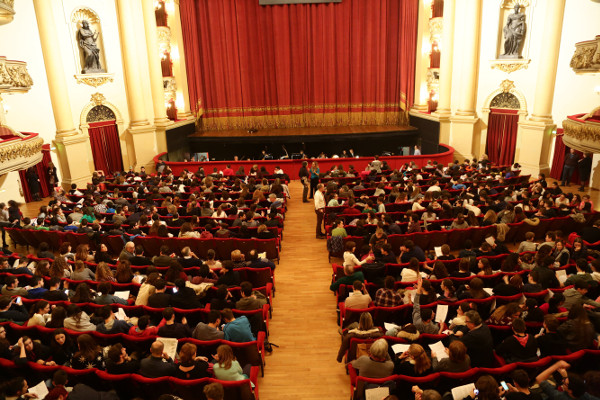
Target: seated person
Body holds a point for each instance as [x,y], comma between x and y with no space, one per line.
[160,299]
[105,298]
[190,365]
[12,309]
[172,329]
[185,297]
[11,287]
[144,329]
[521,346]
[359,298]
[111,324]
[251,299]
[348,279]
[209,330]
[236,329]
[119,362]
[457,361]
[158,363]
[376,365]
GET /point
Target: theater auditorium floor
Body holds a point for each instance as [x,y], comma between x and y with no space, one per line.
[304,315]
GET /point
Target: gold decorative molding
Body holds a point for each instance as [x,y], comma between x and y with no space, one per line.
[506,96]
[94,80]
[583,131]
[14,76]
[433,80]
[509,66]
[85,13]
[436,26]
[163,34]
[19,154]
[98,99]
[507,85]
[170,88]
[586,58]
[7,12]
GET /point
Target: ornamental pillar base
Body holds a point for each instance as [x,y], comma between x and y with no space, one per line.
[533,147]
[74,155]
[144,140]
[464,135]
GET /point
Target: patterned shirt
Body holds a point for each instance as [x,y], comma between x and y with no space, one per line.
[387,298]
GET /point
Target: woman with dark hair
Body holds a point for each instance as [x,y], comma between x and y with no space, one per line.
[448,291]
[57,317]
[78,320]
[89,354]
[82,252]
[579,249]
[124,274]
[365,330]
[39,313]
[83,294]
[82,272]
[474,290]
[104,273]
[60,269]
[103,256]
[484,266]
[577,330]
[486,388]
[561,253]
[457,361]
[438,271]
[163,231]
[510,286]
[190,365]
[61,347]
[175,272]
[510,263]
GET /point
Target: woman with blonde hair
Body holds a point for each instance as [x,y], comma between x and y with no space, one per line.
[104,273]
[413,362]
[489,218]
[365,329]
[226,367]
[504,315]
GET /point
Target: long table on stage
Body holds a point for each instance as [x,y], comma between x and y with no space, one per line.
[291,167]
[365,140]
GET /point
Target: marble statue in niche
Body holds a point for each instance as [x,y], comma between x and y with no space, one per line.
[87,38]
[514,33]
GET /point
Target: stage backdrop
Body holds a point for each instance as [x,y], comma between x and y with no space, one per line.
[252,66]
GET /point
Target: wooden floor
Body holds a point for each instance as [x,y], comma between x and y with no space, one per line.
[304,314]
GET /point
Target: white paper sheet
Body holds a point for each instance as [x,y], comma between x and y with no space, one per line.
[120,315]
[377,393]
[170,346]
[439,349]
[123,294]
[441,312]
[460,392]
[41,390]
[491,240]
[400,348]
[438,251]
[561,275]
[389,326]
[489,291]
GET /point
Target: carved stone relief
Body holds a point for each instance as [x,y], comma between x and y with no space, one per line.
[100,113]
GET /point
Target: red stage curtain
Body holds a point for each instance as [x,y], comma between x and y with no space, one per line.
[106,148]
[502,136]
[40,168]
[558,161]
[252,66]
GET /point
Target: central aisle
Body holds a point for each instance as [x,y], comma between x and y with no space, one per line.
[304,315]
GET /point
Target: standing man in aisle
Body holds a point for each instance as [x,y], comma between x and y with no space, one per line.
[320,209]
[585,169]
[305,179]
[570,164]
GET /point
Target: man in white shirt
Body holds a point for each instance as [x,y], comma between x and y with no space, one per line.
[320,209]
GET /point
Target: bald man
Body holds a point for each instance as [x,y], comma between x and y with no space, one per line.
[154,366]
[128,251]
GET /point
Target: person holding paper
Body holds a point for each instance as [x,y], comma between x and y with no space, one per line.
[583,272]
[105,298]
[111,324]
[154,366]
[455,358]
[413,362]
[479,342]
[364,330]
[359,298]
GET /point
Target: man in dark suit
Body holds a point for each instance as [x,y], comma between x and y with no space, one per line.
[154,366]
[164,259]
[139,258]
[160,299]
[478,340]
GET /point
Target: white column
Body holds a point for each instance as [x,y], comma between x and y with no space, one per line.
[72,146]
[463,123]
[444,108]
[534,138]
[140,129]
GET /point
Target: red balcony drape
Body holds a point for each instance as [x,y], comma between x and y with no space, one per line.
[502,135]
[106,147]
[40,169]
[252,66]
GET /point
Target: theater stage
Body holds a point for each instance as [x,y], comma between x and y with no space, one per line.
[248,145]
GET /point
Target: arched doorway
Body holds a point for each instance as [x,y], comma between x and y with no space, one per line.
[503,123]
[104,139]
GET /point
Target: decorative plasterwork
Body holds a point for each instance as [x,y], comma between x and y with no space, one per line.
[20,154]
[84,13]
[507,86]
[94,80]
[582,135]
[587,56]
[98,99]
[7,12]
[509,66]
[433,80]
[170,87]
[164,39]
[436,25]
[14,76]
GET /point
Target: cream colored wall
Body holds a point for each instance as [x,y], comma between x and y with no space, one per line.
[573,93]
[32,111]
